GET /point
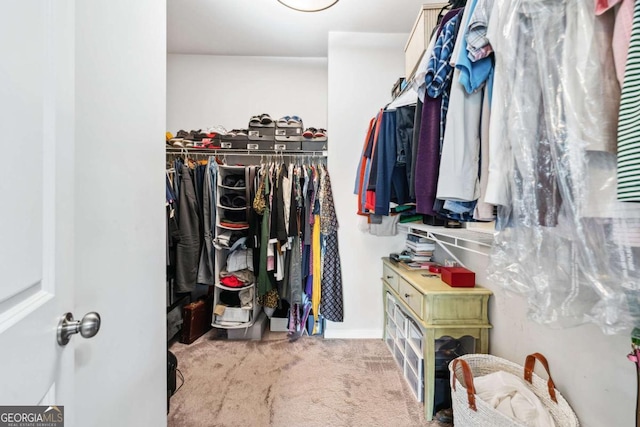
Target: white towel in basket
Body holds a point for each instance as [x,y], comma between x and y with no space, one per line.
[511,396]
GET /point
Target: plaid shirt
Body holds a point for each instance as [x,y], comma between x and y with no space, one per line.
[478,46]
[439,71]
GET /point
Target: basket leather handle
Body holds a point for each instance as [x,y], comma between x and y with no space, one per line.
[528,372]
[468,380]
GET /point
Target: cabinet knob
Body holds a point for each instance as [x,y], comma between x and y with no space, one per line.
[389,277]
[407,295]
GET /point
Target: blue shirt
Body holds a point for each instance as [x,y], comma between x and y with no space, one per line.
[472,74]
[439,71]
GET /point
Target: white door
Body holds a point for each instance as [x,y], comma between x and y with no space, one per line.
[36,198]
[81,225]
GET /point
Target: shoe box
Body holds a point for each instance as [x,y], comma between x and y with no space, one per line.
[253,332]
[314,144]
[289,131]
[238,142]
[261,132]
[261,137]
[261,143]
[288,143]
[264,143]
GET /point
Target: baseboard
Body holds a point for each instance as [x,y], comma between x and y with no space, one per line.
[352,333]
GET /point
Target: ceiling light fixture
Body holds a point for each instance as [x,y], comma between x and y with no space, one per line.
[308,5]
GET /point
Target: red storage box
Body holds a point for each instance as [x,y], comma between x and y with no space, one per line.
[458,277]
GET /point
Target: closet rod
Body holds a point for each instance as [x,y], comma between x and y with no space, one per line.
[234,152]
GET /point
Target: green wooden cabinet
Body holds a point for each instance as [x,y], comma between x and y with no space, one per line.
[438,310]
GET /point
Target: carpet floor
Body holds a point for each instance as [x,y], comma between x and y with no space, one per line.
[307,383]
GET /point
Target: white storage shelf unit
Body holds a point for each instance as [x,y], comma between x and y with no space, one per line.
[407,354]
[233,317]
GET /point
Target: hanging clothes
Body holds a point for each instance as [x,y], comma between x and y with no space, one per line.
[206,270]
[331,305]
[259,229]
[629,120]
[264,284]
[188,247]
[364,168]
[431,125]
[563,242]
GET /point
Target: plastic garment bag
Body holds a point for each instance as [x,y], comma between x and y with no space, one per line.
[564,241]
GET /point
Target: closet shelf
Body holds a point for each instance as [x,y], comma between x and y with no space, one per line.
[243,152]
[229,208]
[233,228]
[468,240]
[233,188]
[232,325]
[230,288]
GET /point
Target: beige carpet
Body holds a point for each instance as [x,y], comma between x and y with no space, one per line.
[306,383]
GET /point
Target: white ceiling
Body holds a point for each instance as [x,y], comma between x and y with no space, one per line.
[267,28]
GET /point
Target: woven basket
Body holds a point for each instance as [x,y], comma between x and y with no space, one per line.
[469,411]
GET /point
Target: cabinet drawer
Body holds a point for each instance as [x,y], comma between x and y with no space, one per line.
[411,296]
[391,277]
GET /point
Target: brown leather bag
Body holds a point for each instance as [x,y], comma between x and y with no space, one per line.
[197,319]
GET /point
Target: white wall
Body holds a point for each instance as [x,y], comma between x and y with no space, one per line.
[362,69]
[206,90]
[119,229]
[589,368]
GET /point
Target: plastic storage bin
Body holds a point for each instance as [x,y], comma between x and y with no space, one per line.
[391,328]
[391,305]
[391,342]
[234,314]
[414,336]
[401,320]
[399,356]
[415,382]
[414,359]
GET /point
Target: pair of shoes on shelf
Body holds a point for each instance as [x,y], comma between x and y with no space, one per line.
[237,132]
[289,121]
[315,133]
[179,139]
[195,138]
[262,119]
[233,201]
[234,181]
[216,130]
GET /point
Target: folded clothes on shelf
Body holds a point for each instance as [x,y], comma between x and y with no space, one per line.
[233,201]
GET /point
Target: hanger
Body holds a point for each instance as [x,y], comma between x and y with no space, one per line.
[453,4]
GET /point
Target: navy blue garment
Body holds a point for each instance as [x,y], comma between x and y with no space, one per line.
[391,180]
[386,157]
